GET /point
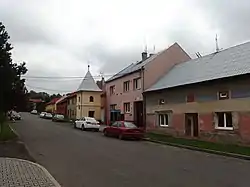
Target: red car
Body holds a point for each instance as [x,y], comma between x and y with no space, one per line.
[124,129]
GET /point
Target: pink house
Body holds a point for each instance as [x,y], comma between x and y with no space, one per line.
[124,99]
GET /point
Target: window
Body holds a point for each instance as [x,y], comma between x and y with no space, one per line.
[114,124]
[91,114]
[91,99]
[112,107]
[137,84]
[79,99]
[163,120]
[112,90]
[224,120]
[129,125]
[161,101]
[127,107]
[79,107]
[126,86]
[190,98]
[223,95]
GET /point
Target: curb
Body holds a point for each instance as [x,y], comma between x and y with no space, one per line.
[233,155]
[21,142]
[41,167]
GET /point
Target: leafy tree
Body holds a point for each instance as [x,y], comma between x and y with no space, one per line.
[12,87]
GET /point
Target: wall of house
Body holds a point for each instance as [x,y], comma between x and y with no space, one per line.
[163,63]
[205,103]
[50,108]
[153,71]
[61,108]
[83,104]
[71,107]
[120,97]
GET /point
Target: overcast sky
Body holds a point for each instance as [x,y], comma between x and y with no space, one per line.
[60,37]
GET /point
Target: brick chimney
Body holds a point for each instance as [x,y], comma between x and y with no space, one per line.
[144,55]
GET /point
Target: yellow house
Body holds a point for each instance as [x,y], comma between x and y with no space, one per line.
[51,107]
[88,97]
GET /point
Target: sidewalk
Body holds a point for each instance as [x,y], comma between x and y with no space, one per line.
[21,173]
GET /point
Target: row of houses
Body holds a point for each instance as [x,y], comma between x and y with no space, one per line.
[168,92]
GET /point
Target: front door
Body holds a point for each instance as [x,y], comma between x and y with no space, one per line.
[138,113]
[191,124]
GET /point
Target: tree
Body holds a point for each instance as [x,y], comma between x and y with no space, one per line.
[12,86]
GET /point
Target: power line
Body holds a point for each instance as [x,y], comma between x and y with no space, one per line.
[47,89]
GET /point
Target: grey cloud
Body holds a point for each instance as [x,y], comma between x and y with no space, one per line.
[25,27]
[112,60]
[230,17]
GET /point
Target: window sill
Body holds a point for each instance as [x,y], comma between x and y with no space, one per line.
[164,126]
[225,128]
[127,112]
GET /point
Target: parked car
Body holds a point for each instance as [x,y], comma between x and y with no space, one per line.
[33,112]
[87,123]
[15,115]
[42,115]
[58,117]
[48,115]
[124,129]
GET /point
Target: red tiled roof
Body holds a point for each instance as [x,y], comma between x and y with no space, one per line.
[53,101]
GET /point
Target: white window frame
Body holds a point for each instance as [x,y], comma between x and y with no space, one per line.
[137,84]
[126,86]
[127,107]
[225,122]
[165,122]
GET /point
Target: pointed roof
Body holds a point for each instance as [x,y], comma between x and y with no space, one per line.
[88,84]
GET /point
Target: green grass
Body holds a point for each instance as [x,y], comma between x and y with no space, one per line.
[6,133]
[230,148]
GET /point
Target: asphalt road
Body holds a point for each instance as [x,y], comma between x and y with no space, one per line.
[88,159]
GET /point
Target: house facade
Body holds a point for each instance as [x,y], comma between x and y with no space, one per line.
[124,100]
[207,98]
[50,106]
[88,98]
[61,106]
[71,106]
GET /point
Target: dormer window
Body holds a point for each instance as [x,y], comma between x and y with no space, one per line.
[161,101]
[223,95]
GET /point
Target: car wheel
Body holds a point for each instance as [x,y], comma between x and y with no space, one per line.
[105,133]
[83,127]
[120,136]
[96,130]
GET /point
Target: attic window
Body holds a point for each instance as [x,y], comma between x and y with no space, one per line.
[223,95]
[190,98]
[161,101]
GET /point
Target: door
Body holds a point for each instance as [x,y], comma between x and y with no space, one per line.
[138,113]
[112,128]
[191,124]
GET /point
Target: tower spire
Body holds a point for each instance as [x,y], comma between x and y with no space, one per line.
[88,67]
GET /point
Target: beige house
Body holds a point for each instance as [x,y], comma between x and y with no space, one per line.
[88,97]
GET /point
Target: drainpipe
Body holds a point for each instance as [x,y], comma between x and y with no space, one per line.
[144,98]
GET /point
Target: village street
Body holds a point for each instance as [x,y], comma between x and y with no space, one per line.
[88,159]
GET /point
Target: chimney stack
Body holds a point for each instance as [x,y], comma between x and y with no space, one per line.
[144,56]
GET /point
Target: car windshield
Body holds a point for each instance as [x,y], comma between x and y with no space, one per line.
[129,125]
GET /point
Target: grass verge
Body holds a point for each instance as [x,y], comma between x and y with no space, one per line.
[6,132]
[229,148]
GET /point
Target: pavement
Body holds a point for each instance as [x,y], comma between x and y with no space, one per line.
[77,158]
[22,173]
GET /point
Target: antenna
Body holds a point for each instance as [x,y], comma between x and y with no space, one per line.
[217,45]
[146,48]
[154,49]
[88,67]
